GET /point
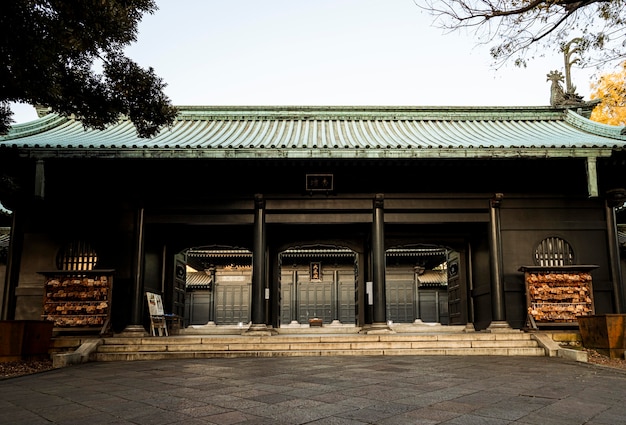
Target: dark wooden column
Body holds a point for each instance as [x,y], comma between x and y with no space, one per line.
[40,179]
[379,316]
[614,199]
[259,270]
[136,312]
[212,271]
[498,315]
[378,261]
[13,266]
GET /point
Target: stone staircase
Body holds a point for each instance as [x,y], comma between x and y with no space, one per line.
[514,343]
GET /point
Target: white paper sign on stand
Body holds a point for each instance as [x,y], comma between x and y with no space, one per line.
[157,314]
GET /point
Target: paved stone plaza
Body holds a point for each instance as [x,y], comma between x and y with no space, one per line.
[421,390]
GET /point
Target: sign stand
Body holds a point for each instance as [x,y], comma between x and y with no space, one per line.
[158,325]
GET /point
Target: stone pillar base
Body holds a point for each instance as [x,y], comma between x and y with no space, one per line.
[469,327]
[133,331]
[377,328]
[260,330]
[500,326]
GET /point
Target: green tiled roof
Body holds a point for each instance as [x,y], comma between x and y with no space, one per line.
[330,132]
[198,280]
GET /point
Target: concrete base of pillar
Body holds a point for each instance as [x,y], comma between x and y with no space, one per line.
[81,355]
[377,328]
[500,326]
[260,330]
[469,328]
[133,331]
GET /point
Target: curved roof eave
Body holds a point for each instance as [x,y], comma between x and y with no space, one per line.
[297,154]
[334,132]
[38,126]
[593,127]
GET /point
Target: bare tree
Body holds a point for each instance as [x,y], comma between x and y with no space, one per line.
[520,30]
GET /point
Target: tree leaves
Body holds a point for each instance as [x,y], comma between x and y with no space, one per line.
[51,53]
[611,91]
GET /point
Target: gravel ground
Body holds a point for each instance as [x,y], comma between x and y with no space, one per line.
[27,367]
[597,358]
[24,367]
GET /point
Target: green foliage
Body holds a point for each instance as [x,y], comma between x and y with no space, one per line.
[51,52]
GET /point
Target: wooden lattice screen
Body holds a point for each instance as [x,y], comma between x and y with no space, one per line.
[554,252]
[77,255]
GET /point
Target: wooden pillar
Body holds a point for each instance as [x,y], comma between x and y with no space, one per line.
[379,314]
[378,263]
[416,287]
[259,270]
[138,298]
[40,179]
[498,315]
[615,198]
[592,176]
[212,272]
[336,298]
[293,302]
[11,276]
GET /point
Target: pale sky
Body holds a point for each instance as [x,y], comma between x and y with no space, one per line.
[327,52]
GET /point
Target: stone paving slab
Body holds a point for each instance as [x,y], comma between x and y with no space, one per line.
[345,390]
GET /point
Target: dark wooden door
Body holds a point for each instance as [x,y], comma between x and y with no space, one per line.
[177,300]
[457,289]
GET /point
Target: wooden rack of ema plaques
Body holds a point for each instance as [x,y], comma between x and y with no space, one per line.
[78,300]
[558,295]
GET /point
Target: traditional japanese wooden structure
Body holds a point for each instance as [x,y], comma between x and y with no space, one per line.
[268,217]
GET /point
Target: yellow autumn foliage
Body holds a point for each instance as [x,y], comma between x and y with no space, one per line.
[611,89]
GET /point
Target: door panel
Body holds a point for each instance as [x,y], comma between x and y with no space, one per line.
[233,297]
[176,300]
[232,304]
[429,300]
[314,298]
[457,289]
[330,298]
[346,303]
[199,306]
[287,297]
[411,296]
[400,294]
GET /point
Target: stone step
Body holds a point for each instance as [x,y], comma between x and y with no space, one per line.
[159,355]
[212,346]
[282,339]
[348,345]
